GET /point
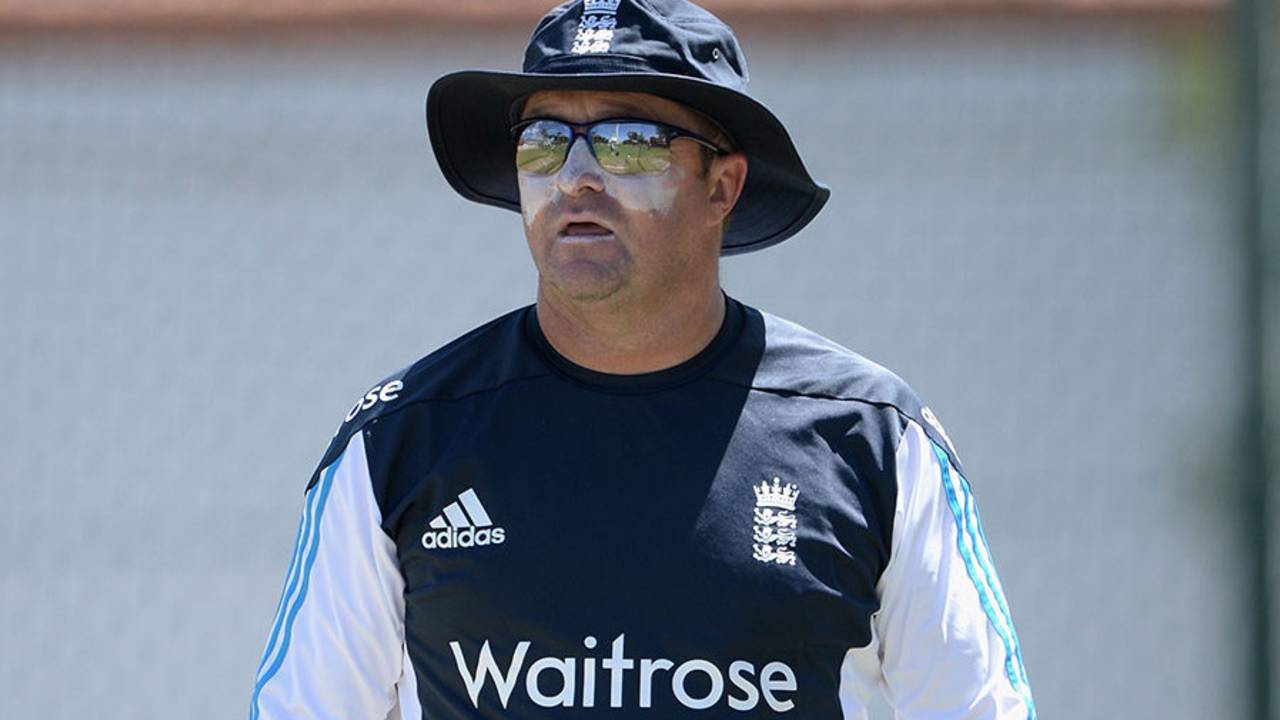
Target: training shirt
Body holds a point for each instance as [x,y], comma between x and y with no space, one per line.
[776,527]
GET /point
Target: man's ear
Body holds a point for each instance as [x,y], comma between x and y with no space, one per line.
[725,178]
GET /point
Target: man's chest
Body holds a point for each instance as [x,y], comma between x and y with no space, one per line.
[646,529]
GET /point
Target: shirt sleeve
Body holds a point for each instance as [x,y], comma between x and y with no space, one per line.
[947,647]
[335,646]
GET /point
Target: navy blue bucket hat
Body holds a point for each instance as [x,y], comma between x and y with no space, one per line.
[670,48]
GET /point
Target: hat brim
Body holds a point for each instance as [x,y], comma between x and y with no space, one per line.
[468,122]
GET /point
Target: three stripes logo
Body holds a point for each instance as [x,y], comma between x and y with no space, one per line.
[463,524]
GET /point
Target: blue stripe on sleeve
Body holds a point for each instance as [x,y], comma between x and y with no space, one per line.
[290,578]
[984,557]
[972,544]
[322,492]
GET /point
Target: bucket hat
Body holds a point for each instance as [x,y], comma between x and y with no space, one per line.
[670,48]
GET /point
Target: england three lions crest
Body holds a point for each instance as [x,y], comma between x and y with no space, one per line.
[774,531]
[595,29]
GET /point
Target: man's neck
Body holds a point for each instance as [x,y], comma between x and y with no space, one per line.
[626,339]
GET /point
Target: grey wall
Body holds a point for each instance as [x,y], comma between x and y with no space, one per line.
[210,244]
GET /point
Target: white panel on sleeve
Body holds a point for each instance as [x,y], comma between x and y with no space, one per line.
[335,648]
[860,678]
[948,649]
[407,688]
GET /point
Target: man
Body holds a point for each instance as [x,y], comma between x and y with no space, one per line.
[638,497]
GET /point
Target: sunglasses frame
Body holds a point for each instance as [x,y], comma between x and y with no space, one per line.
[583,130]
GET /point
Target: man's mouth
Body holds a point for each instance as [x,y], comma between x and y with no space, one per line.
[585,229]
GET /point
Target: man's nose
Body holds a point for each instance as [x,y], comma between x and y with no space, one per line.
[580,171]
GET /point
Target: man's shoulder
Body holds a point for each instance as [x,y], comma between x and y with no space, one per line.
[799,361]
[478,361]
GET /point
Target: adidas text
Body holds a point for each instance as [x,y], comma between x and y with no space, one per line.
[464,538]
[463,523]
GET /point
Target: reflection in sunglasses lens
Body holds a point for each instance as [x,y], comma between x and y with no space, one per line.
[542,147]
[619,148]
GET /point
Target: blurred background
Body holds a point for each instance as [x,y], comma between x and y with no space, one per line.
[220,222]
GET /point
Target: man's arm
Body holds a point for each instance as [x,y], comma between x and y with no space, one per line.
[948,649]
[335,646]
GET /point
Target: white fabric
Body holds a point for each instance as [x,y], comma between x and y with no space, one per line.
[335,650]
[860,678]
[937,652]
[410,707]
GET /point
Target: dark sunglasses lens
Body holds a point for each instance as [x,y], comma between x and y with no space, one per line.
[542,146]
[625,148]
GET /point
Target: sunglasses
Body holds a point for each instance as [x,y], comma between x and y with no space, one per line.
[622,146]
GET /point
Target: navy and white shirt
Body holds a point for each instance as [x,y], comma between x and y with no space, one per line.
[776,527]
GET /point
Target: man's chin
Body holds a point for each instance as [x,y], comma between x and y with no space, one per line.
[585,282]
[585,274]
[587,293]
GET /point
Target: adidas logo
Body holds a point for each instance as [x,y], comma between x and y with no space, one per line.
[463,524]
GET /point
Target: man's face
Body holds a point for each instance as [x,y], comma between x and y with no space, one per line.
[597,236]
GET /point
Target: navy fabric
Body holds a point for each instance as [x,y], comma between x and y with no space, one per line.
[657,36]
[629,512]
